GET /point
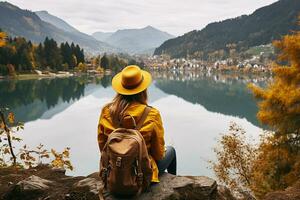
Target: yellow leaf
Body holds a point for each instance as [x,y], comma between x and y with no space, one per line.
[57,163]
[54,152]
[2,126]
[68,164]
[66,153]
[11,118]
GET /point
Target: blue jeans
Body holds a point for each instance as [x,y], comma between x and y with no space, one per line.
[168,162]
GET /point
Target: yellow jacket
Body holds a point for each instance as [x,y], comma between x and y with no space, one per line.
[152,131]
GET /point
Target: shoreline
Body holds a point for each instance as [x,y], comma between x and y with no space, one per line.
[59,74]
[43,76]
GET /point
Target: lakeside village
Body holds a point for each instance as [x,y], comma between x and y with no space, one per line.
[106,64]
[189,68]
[256,64]
[214,76]
[50,59]
[185,66]
[178,65]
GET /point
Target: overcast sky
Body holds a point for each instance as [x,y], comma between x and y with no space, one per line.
[174,16]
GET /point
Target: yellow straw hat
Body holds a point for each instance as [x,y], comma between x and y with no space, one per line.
[131,80]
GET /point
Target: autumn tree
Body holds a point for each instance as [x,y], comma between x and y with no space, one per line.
[254,169]
[25,157]
[3,54]
[274,163]
[2,38]
[96,61]
[276,166]
[235,156]
[18,54]
[279,109]
[81,67]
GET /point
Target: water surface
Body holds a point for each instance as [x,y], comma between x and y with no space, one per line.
[195,108]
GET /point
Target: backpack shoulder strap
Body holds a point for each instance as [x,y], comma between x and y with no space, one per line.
[143,117]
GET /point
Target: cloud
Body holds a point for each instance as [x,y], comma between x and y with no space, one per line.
[174,16]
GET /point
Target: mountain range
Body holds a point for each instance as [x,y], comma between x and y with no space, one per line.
[261,27]
[136,41]
[19,22]
[36,26]
[59,23]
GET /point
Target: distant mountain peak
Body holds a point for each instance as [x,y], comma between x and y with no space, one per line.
[150,27]
[138,40]
[59,23]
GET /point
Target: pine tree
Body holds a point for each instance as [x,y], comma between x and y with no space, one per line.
[52,54]
[68,54]
[79,54]
[40,57]
[104,62]
[22,55]
[23,59]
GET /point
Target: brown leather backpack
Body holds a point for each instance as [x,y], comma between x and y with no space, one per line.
[125,167]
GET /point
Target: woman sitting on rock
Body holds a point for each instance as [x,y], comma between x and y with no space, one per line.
[127,108]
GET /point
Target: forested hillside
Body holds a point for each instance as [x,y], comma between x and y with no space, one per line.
[261,27]
[20,55]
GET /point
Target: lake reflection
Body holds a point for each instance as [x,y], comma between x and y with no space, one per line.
[195,109]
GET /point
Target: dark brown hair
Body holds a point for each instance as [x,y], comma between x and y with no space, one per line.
[121,102]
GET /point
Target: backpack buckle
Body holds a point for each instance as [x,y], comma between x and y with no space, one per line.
[119,161]
[140,178]
[140,175]
[104,173]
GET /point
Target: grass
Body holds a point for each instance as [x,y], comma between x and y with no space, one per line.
[30,76]
[267,49]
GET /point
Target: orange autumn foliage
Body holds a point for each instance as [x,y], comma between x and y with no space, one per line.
[273,164]
[2,39]
[26,157]
[278,162]
[279,105]
[276,166]
[235,156]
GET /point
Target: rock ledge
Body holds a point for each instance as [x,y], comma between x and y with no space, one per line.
[44,183]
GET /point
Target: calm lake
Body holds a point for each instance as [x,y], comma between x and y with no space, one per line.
[195,107]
